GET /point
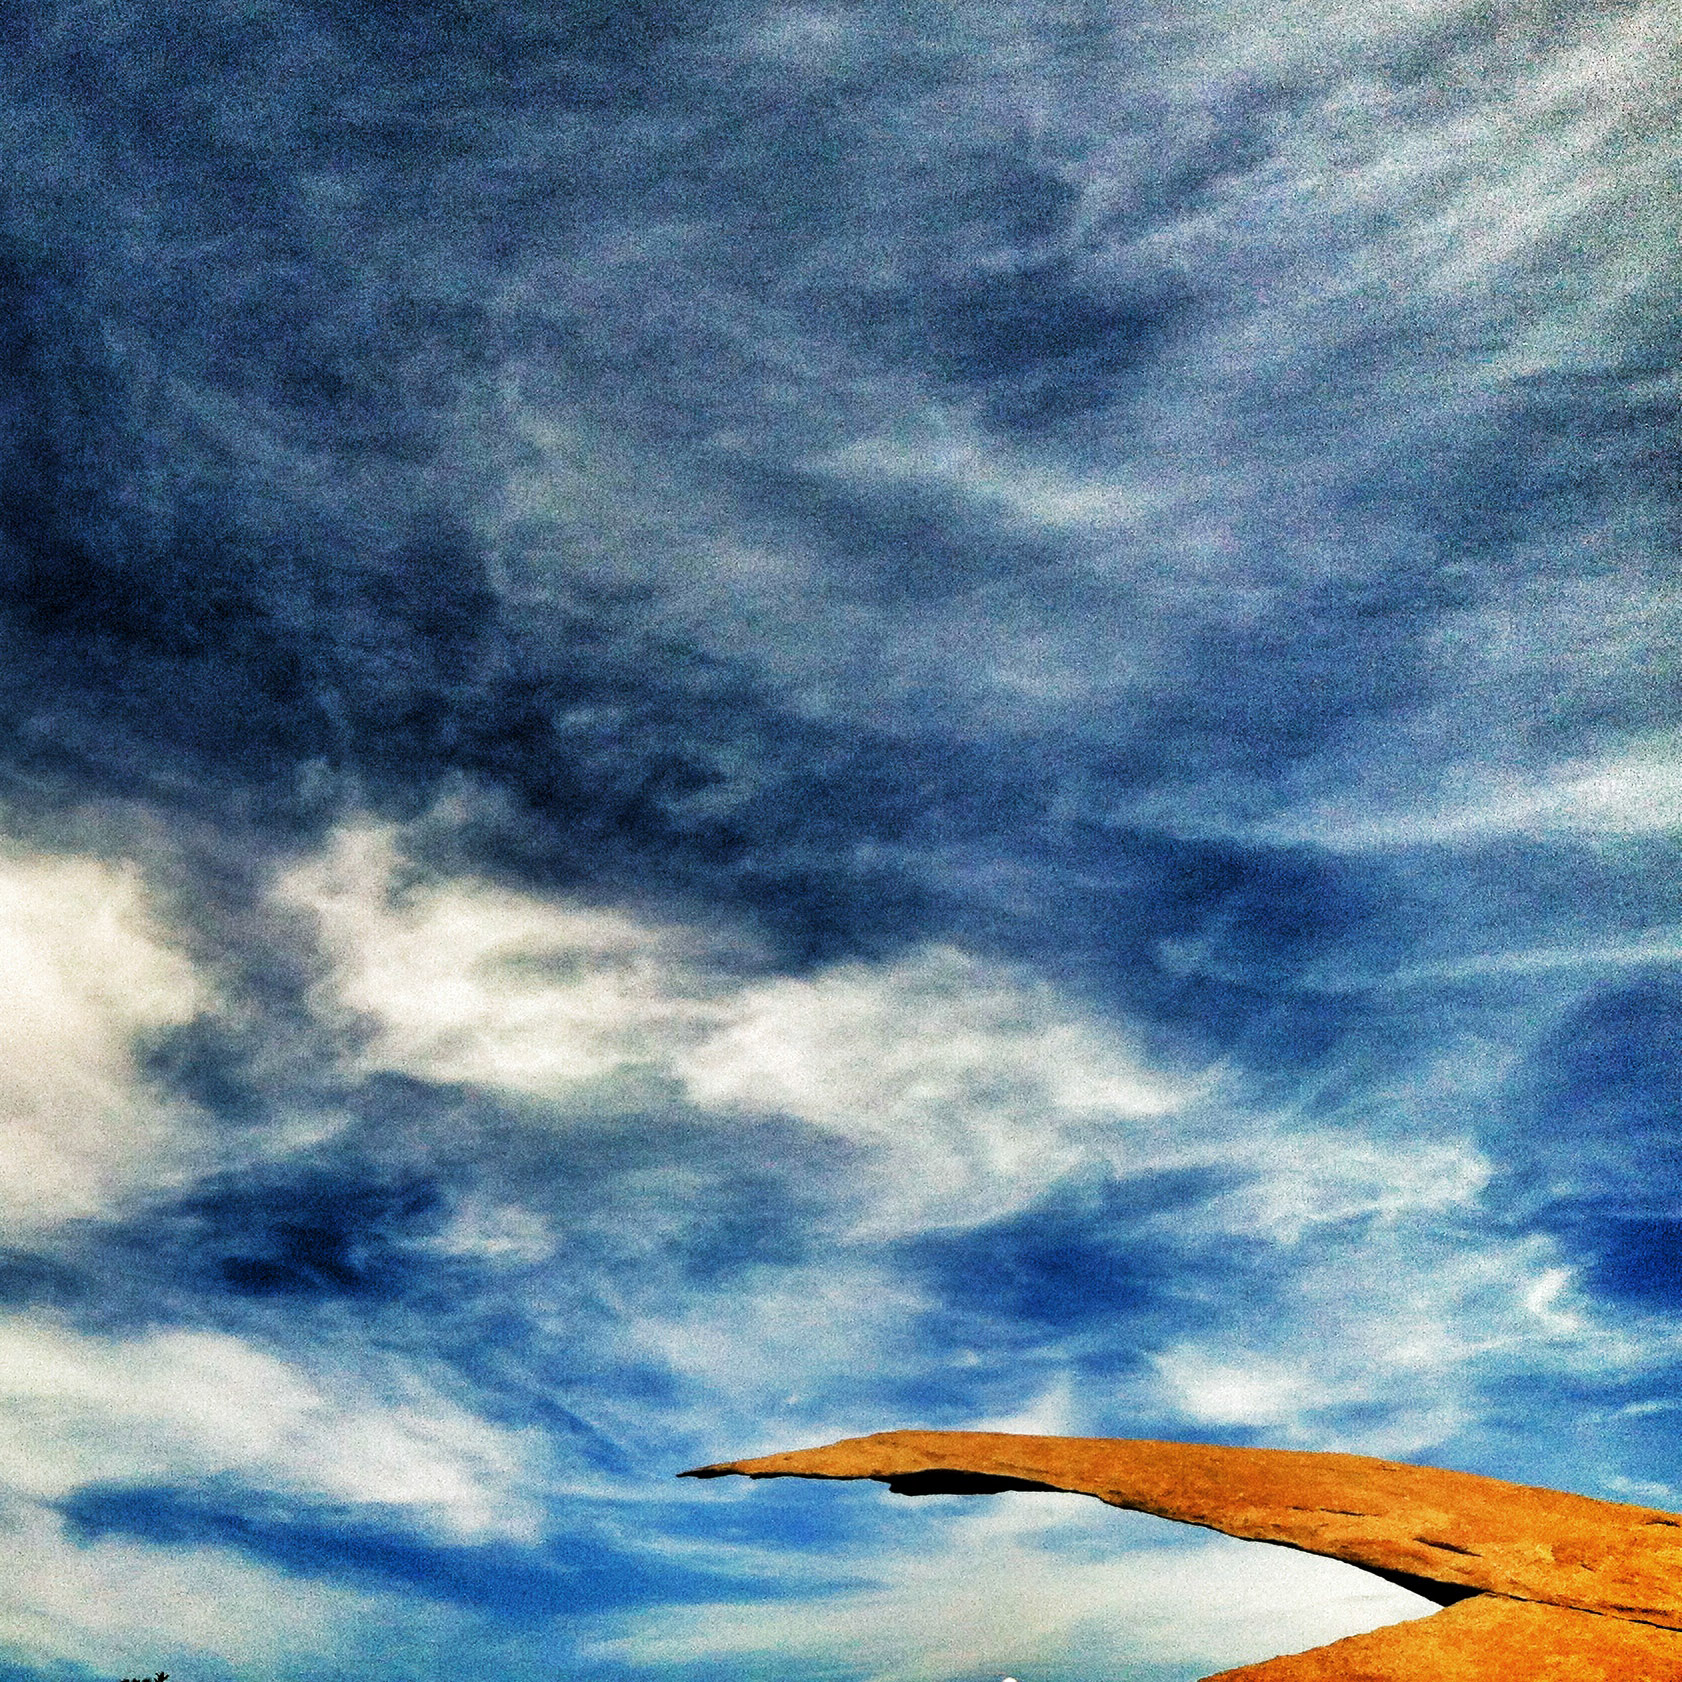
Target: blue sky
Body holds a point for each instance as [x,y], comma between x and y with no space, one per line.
[733,724]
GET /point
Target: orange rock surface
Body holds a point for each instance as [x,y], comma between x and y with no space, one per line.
[1536,1583]
[1486,1639]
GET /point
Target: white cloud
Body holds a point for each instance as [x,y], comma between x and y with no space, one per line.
[965,1092]
[805,38]
[1300,1180]
[981,1088]
[944,449]
[1461,178]
[1634,792]
[763,1357]
[465,981]
[496,1232]
[1299,33]
[117,1606]
[1052,1413]
[179,1405]
[1378,251]
[87,973]
[1030,1583]
[1641,948]
[1382,1344]
[121,1607]
[971,1087]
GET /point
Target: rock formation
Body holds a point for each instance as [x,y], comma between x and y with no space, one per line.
[1535,1583]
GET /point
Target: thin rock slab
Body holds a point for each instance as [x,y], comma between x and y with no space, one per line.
[1536,1583]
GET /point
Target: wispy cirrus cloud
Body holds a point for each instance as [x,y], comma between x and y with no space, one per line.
[1637,792]
[174,1406]
[1039,1585]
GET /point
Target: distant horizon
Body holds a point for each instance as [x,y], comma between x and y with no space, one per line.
[731,725]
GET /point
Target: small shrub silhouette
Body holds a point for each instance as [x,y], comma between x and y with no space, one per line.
[162,1676]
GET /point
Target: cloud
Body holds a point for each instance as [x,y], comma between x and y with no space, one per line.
[819,1348]
[115,1606]
[948,450]
[993,377]
[463,981]
[178,1405]
[1038,1585]
[111,1603]
[1635,792]
[90,975]
[1373,1361]
[973,1086]
[1343,1295]
[980,1087]
[1026,636]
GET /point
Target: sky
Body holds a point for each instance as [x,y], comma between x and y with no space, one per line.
[731,724]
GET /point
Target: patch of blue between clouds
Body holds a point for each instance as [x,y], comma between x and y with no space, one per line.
[581,1575]
[1101,1259]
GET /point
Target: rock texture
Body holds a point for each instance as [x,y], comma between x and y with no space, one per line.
[1535,1583]
[1486,1639]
